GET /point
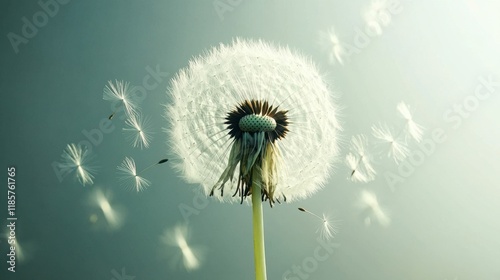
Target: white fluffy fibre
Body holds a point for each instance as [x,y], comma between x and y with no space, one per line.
[358,160]
[216,82]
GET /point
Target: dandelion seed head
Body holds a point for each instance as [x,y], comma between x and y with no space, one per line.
[240,118]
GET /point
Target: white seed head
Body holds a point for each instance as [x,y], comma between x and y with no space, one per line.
[215,83]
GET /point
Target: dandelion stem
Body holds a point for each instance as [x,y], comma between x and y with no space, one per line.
[258,235]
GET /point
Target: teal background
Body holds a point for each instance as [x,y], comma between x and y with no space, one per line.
[444,216]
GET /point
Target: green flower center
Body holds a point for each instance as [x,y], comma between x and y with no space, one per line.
[257,123]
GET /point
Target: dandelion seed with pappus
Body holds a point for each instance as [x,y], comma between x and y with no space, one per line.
[192,257]
[358,160]
[129,176]
[369,203]
[113,217]
[137,128]
[398,142]
[251,120]
[76,158]
[413,129]
[119,93]
[328,229]
[398,147]
[331,44]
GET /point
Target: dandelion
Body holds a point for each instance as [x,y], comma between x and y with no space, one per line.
[370,204]
[177,237]
[399,141]
[130,177]
[398,149]
[246,103]
[112,215]
[414,130]
[138,130]
[358,160]
[119,94]
[76,158]
[327,229]
[330,42]
[255,121]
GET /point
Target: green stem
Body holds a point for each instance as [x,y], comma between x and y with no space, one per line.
[258,235]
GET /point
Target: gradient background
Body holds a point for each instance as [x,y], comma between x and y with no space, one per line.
[444,216]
